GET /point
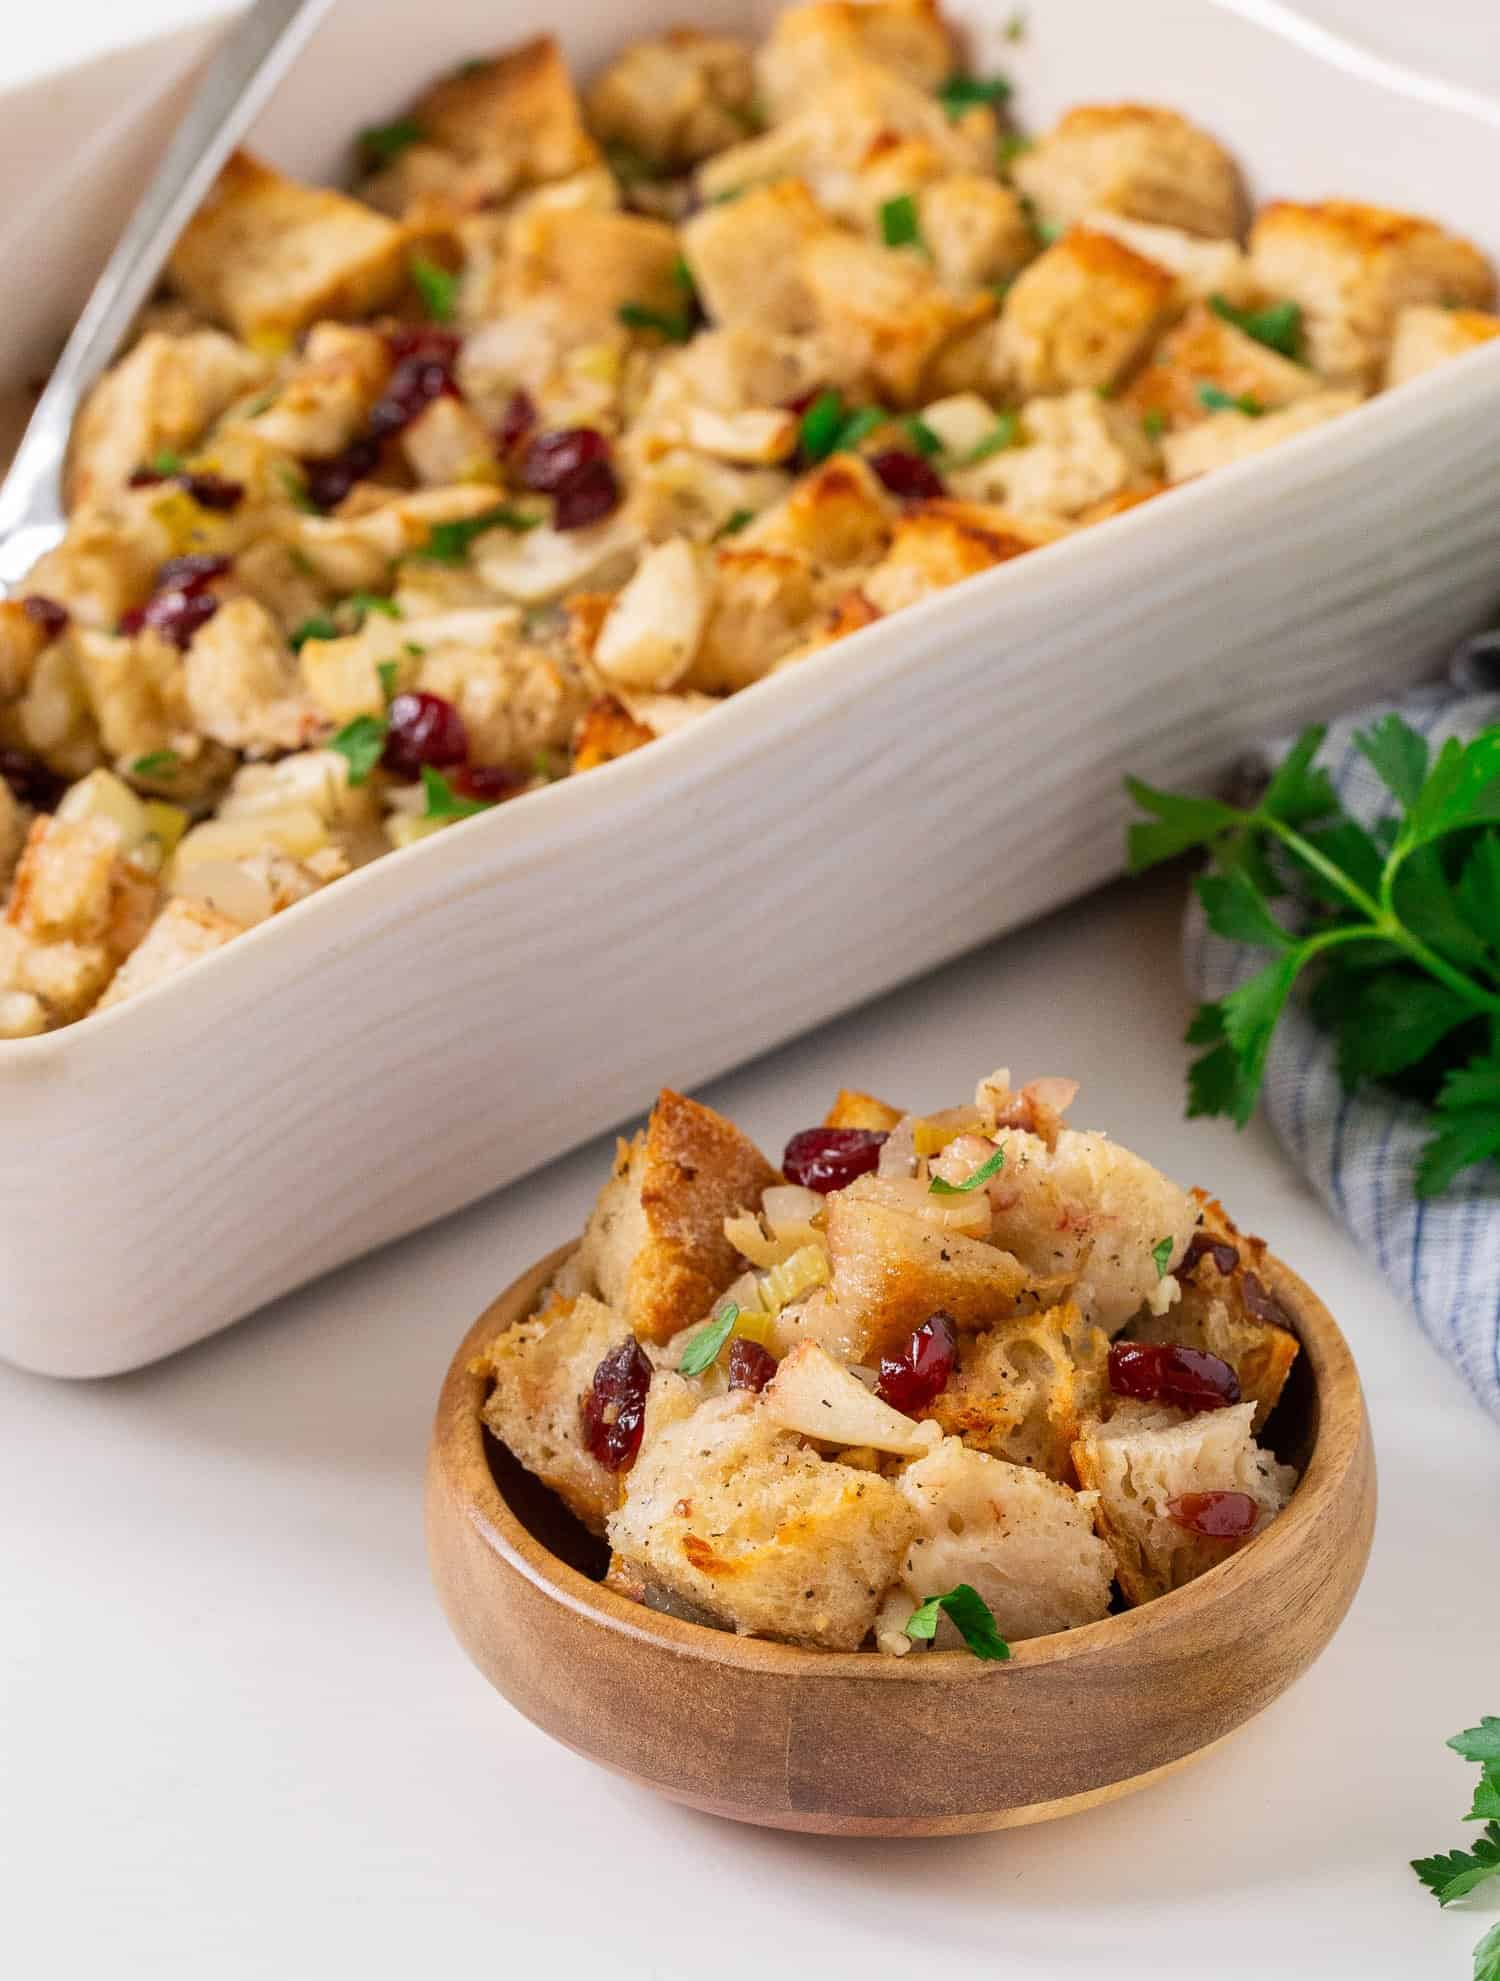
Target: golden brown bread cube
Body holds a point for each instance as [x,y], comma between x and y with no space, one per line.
[22,638]
[837,516]
[1078,450]
[1226,437]
[519,107]
[1139,1463]
[267,255]
[1020,1394]
[1205,349]
[1353,268]
[809,45]
[975,229]
[324,400]
[1427,335]
[183,932]
[655,1244]
[936,544]
[1136,159]
[885,310]
[576,269]
[676,99]
[738,1517]
[607,730]
[1083,312]
[763,601]
[852,1109]
[745,257]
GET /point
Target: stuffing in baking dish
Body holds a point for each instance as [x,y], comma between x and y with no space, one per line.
[581,413]
[941,1379]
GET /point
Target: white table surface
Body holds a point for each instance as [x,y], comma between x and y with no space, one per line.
[236,1739]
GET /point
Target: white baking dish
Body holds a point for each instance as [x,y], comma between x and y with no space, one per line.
[458,1013]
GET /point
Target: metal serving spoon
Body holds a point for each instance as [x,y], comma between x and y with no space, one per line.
[249,63]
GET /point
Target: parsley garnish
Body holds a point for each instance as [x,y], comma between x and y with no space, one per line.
[991,1166]
[448,543]
[1161,1254]
[1048,231]
[1402,926]
[1487,1956]
[1012,144]
[294,484]
[970,1615]
[437,287]
[319,627]
[923,438]
[361,744]
[382,142]
[1004,433]
[960,93]
[706,1343]
[389,672]
[1278,327]
[676,326]
[733,524]
[366,603]
[156,763]
[859,426]
[443,802]
[899,225]
[1217,400]
[165,462]
[1154,423]
[822,424]
[1454,1874]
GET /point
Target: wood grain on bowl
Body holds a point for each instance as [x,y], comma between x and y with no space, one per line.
[931,1744]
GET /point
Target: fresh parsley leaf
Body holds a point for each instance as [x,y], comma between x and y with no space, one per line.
[1462,789]
[1392,1020]
[1480,1744]
[448,543]
[1251,1013]
[389,672]
[1235,908]
[1048,231]
[1178,824]
[1161,1255]
[704,1346]
[1217,400]
[675,325]
[361,744]
[1004,433]
[156,763]
[443,802]
[899,225]
[1456,1873]
[1011,145]
[922,437]
[381,143]
[165,462]
[991,1166]
[437,286]
[822,424]
[1153,423]
[1477,893]
[1467,1127]
[970,1615]
[960,92]
[1278,326]
[371,604]
[1299,790]
[1398,755]
[1487,1956]
[859,426]
[1486,1805]
[319,627]
[733,524]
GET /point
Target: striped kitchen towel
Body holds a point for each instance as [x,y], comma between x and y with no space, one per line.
[1442,1254]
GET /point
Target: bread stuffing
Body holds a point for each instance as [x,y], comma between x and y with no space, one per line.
[957,1379]
[589,402]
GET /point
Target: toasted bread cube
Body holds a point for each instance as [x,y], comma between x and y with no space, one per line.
[852,1109]
[325,399]
[64,886]
[160,398]
[975,229]
[811,44]
[12,836]
[1224,438]
[1020,1394]
[885,309]
[1083,312]
[1205,350]
[762,604]
[1353,268]
[656,624]
[655,1245]
[517,701]
[1025,1542]
[267,255]
[677,99]
[1079,450]
[22,638]
[577,269]
[607,730]
[184,931]
[1203,268]
[838,516]
[22,1015]
[735,1515]
[135,688]
[744,255]
[1135,159]
[1138,1466]
[63,979]
[1427,335]
[99,570]
[241,682]
[937,544]
[519,109]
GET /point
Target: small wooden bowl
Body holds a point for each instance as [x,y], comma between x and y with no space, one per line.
[937,1743]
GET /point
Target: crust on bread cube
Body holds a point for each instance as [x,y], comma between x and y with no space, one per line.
[655,1245]
[1083,312]
[324,400]
[809,45]
[519,107]
[1020,1394]
[1227,437]
[1203,268]
[743,254]
[1135,159]
[1079,450]
[577,269]
[267,255]
[183,932]
[1138,1467]
[885,309]
[975,229]
[677,98]
[761,606]
[1024,1541]
[1204,349]
[937,544]
[737,1516]
[1427,335]
[1353,268]
[852,1109]
[838,516]
[241,681]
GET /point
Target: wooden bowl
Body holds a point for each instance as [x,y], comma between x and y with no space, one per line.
[862,1745]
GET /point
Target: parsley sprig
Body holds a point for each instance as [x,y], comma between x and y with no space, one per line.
[970,1615]
[1278,326]
[1402,930]
[991,1166]
[1454,1874]
[703,1348]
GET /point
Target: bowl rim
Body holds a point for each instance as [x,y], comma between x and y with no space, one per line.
[459,1452]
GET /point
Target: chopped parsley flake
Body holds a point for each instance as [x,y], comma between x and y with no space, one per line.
[381,143]
[448,543]
[732,525]
[319,627]
[1154,423]
[1278,327]
[1012,144]
[822,424]
[675,325]
[294,484]
[437,287]
[859,426]
[389,672]
[922,436]
[991,1166]
[1005,433]
[899,226]
[156,763]
[970,1615]
[368,603]
[165,462]
[1217,400]
[443,802]
[960,93]
[706,1343]
[361,744]
[1161,1254]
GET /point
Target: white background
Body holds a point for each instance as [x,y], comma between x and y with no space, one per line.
[236,1739]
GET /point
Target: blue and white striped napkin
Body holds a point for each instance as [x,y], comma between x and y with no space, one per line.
[1442,1254]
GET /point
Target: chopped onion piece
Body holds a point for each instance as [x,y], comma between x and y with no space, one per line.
[790,1203]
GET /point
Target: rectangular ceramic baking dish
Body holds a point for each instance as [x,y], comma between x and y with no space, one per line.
[461,1012]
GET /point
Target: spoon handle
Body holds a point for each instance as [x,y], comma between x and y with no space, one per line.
[250,61]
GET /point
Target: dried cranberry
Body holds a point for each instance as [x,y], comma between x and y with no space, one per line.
[1203,1245]
[614,1406]
[175,614]
[803,400]
[553,458]
[214,492]
[425,341]
[47,613]
[1263,1305]
[424,729]
[827,1158]
[517,423]
[750,1365]
[328,482]
[907,475]
[588,495]
[909,1381]
[1221,1516]
[190,574]
[487,784]
[30,779]
[1164,1372]
[423,372]
[146,478]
